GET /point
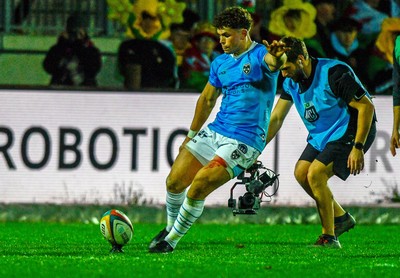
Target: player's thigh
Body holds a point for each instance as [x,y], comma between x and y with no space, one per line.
[303,164]
[335,155]
[183,171]
[319,173]
[209,178]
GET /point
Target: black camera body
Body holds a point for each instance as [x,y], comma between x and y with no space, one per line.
[255,185]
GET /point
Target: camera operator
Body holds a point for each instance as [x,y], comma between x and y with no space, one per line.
[74,60]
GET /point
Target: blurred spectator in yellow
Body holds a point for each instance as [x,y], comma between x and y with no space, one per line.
[146,19]
[390,29]
[294,18]
[73,60]
[381,62]
[198,58]
[144,60]
[319,45]
[150,26]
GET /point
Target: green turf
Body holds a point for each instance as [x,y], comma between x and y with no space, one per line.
[208,250]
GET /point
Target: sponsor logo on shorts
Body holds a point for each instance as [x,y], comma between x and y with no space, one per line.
[235,154]
[202,134]
[243,148]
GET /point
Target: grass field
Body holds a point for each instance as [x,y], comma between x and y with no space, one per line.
[47,249]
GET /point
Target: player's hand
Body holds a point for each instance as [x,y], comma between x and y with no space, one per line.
[355,161]
[394,142]
[276,48]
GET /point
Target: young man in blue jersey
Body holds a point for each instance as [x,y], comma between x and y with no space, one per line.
[340,118]
[395,139]
[246,76]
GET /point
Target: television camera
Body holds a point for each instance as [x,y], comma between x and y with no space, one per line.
[258,180]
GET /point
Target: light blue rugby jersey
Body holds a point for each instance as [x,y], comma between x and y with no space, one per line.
[325,116]
[248,92]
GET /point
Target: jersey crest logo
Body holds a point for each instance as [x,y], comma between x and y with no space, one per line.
[310,113]
[246,68]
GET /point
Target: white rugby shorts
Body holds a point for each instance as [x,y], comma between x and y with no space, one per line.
[208,143]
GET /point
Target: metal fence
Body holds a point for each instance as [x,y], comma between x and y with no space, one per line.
[48,17]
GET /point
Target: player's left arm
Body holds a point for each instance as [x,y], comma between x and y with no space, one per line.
[365,109]
[344,85]
[276,55]
[204,106]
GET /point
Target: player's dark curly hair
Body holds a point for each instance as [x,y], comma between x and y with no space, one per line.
[233,17]
[297,47]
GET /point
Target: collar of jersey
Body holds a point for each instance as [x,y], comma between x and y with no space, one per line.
[253,44]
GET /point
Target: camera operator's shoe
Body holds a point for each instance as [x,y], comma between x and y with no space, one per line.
[159,237]
[162,247]
[326,241]
[345,225]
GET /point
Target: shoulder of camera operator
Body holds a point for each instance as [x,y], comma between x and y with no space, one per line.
[57,54]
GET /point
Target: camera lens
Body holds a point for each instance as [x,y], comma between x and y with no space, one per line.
[247,201]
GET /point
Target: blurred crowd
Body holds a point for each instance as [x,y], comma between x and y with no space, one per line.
[171,47]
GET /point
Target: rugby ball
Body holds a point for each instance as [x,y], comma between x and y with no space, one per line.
[116,227]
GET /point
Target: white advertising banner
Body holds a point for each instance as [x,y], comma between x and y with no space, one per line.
[107,147]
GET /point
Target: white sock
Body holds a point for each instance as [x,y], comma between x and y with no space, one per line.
[173,204]
[189,212]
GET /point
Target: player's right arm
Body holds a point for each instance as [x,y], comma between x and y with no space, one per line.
[204,106]
[276,55]
[278,115]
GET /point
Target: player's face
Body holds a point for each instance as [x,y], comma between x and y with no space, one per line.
[293,71]
[232,40]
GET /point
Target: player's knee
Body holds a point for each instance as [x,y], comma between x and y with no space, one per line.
[301,176]
[174,184]
[197,192]
[316,177]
